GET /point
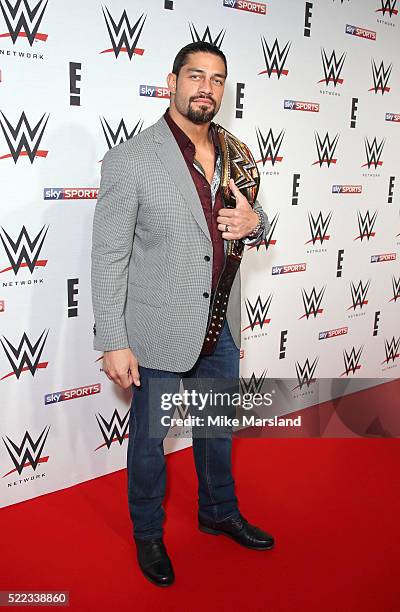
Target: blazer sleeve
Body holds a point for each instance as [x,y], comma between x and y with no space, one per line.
[112,239]
[264,229]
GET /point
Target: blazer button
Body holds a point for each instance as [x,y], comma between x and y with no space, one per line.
[206,294]
[206,258]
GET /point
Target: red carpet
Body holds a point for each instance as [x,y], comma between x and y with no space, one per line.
[333,506]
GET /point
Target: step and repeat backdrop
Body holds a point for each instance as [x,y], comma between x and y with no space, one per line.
[313,89]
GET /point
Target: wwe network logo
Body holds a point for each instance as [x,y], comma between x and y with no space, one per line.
[275,58]
[26,356]
[182,411]
[269,240]
[305,373]
[312,302]
[396,289]
[123,36]
[114,430]
[332,68]
[387,6]
[23,21]
[366,225]
[373,152]
[381,76]
[319,227]
[392,350]
[24,252]
[269,146]
[23,140]
[359,294]
[217,41]
[121,134]
[257,312]
[253,384]
[29,453]
[325,149]
[351,361]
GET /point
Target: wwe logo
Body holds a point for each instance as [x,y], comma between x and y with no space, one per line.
[257,313]
[373,153]
[332,67]
[325,149]
[123,36]
[29,453]
[269,146]
[358,294]
[24,252]
[26,356]
[312,302]
[275,58]
[24,140]
[114,430]
[351,361]
[392,350]
[217,41]
[366,225]
[253,384]
[22,20]
[319,227]
[121,134]
[269,240]
[381,77]
[396,289]
[387,6]
[305,373]
[181,411]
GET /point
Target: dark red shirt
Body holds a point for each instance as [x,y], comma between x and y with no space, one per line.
[204,190]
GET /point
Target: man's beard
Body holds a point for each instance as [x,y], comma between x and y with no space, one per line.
[203,114]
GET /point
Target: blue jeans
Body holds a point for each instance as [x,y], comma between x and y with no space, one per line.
[146,461]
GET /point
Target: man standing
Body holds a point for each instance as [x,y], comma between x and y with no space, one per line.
[159,239]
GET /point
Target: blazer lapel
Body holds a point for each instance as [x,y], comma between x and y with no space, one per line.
[171,156]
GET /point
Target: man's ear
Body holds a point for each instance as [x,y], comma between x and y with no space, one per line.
[171,82]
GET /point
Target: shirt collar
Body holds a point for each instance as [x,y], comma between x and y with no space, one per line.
[183,139]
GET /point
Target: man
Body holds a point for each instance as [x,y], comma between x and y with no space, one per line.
[159,232]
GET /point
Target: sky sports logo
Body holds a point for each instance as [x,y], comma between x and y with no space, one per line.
[332,333]
[360,32]
[152,91]
[301,267]
[70,193]
[242,5]
[312,107]
[69,394]
[383,257]
[346,188]
[392,117]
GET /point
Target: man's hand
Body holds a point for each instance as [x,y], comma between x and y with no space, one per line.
[121,367]
[241,220]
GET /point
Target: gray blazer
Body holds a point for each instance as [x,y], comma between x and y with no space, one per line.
[150,239]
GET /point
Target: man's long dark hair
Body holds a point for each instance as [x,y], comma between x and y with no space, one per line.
[205,47]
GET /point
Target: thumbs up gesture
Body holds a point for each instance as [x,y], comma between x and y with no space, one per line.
[239,222]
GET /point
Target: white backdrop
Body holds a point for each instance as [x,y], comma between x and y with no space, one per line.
[313,89]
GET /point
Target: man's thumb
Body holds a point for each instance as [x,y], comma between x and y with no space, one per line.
[236,191]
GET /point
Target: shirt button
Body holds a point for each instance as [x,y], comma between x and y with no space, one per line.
[206,258]
[206,294]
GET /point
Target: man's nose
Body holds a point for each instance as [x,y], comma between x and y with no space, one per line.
[206,86]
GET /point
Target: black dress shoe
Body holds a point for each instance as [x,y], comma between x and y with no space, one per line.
[154,561]
[239,529]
